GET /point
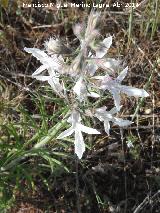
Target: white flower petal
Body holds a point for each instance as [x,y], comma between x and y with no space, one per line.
[99,116]
[111,63]
[102,114]
[54,83]
[93,95]
[117,98]
[69,120]
[122,75]
[40,69]
[66,133]
[104,46]
[121,122]
[108,64]
[132,91]
[87,130]
[80,89]
[55,63]
[51,72]
[101,52]
[42,78]
[108,116]
[107,42]
[113,111]
[107,82]
[75,118]
[101,109]
[91,69]
[79,144]
[98,77]
[39,54]
[106,126]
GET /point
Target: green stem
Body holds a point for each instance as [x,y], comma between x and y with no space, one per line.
[51,134]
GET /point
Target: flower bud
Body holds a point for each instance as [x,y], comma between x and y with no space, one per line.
[55,46]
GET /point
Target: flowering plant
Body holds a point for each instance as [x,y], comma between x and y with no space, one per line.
[83,71]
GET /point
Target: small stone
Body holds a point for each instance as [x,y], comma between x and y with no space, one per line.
[147,111]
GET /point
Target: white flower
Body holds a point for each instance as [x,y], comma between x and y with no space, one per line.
[55,46]
[53,63]
[115,87]
[107,64]
[82,91]
[103,47]
[98,60]
[91,68]
[86,36]
[107,116]
[77,128]
[53,81]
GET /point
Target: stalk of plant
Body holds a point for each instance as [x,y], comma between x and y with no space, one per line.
[84,79]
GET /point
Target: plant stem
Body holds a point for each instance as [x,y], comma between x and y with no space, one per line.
[23,155]
[51,134]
